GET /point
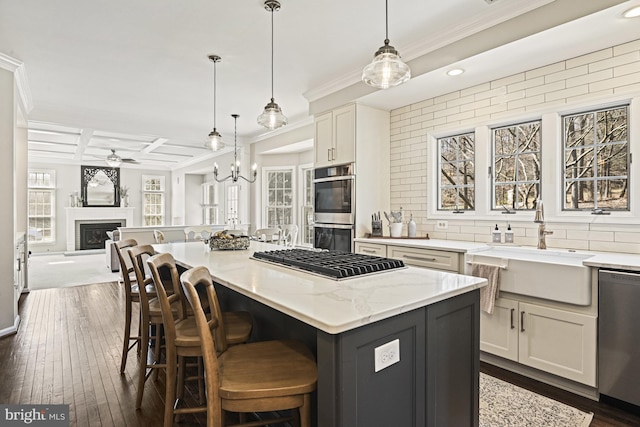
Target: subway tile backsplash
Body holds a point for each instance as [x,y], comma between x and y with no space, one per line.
[589,78]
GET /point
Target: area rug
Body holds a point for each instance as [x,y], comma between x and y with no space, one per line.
[505,405]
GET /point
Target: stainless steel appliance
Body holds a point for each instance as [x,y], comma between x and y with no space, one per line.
[619,335]
[334,264]
[334,195]
[334,237]
[334,208]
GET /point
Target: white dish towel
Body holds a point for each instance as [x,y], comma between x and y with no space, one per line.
[489,293]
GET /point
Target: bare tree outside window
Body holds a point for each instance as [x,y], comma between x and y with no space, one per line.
[596,159]
[457,172]
[516,166]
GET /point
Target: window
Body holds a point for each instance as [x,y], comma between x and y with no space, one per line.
[233,204]
[279,192]
[596,160]
[307,207]
[456,156]
[153,199]
[41,199]
[210,203]
[516,165]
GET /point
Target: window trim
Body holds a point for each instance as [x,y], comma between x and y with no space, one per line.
[552,166]
[264,191]
[52,189]
[162,191]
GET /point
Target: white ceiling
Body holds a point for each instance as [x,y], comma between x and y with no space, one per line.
[135,76]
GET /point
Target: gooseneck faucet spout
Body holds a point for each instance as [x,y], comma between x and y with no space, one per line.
[539,219]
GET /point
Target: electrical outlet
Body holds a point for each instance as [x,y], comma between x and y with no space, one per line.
[386,355]
[442,224]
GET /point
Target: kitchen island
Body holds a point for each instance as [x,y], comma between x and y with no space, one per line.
[433,315]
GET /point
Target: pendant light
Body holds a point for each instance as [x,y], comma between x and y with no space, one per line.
[386,69]
[235,166]
[113,159]
[272,117]
[214,141]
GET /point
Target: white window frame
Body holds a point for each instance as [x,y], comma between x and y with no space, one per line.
[552,188]
[302,169]
[232,204]
[265,196]
[161,192]
[51,189]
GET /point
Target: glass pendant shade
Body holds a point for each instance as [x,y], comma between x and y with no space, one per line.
[272,117]
[386,70]
[214,141]
[113,159]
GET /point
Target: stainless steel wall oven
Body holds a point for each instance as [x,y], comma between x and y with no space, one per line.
[334,207]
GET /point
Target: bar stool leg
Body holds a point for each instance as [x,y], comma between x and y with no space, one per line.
[127,335]
[170,387]
[157,349]
[144,350]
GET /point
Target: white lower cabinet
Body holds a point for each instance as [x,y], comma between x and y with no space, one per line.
[373,249]
[556,341]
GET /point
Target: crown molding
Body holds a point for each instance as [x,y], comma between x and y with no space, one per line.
[421,47]
[20,77]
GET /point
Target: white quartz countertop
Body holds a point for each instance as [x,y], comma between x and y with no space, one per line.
[443,245]
[615,261]
[329,305]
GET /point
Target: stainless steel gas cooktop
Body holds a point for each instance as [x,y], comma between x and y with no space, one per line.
[333,264]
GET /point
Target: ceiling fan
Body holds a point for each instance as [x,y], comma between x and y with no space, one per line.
[115,160]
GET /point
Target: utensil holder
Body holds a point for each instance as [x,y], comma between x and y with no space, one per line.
[376,228]
[395,229]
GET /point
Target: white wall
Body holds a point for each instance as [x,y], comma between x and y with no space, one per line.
[192,194]
[7,217]
[590,80]
[68,181]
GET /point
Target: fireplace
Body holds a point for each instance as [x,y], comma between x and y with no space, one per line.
[93,236]
[121,217]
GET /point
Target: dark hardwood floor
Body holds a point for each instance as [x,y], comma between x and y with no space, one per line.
[67,350]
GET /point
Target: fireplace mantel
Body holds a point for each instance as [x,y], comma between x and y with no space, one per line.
[80,214]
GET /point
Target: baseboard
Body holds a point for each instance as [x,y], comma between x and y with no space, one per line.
[84,252]
[11,329]
[545,377]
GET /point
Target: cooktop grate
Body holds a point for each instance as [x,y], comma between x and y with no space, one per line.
[334,264]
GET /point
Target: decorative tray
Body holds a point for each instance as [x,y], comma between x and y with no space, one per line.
[228,242]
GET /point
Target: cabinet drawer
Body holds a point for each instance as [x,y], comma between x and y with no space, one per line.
[371,249]
[439,260]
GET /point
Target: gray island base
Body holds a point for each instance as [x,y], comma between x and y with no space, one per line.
[435,320]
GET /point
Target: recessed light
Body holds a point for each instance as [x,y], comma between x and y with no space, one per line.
[634,12]
[455,72]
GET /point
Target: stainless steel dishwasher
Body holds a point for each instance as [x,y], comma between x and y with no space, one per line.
[619,335]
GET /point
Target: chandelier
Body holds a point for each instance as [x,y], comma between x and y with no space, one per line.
[272,117]
[386,69]
[235,166]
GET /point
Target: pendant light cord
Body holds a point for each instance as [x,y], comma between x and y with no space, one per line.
[214,94]
[272,54]
[386,20]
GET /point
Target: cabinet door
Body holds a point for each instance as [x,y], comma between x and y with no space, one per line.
[344,134]
[559,342]
[371,249]
[323,140]
[499,330]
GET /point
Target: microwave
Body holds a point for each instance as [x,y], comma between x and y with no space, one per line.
[334,195]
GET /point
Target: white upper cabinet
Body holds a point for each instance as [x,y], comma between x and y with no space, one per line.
[335,136]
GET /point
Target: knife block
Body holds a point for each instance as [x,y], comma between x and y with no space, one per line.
[376,228]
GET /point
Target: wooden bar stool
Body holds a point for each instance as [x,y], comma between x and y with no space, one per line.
[151,315]
[132,295]
[181,335]
[256,377]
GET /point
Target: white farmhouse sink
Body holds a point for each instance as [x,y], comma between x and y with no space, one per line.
[550,274]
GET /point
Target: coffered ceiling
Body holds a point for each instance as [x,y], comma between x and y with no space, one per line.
[135,76]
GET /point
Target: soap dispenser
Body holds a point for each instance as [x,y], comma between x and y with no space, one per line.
[496,236]
[508,235]
[411,227]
